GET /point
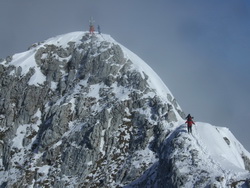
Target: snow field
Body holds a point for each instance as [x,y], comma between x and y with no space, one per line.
[220,151]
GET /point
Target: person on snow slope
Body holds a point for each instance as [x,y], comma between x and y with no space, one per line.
[189,123]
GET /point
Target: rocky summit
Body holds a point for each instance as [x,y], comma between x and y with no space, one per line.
[81,110]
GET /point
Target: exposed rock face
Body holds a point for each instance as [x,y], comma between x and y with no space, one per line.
[80,114]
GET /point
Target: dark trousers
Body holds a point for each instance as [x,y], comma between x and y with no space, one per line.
[189,129]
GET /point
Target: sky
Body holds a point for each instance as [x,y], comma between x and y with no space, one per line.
[200,49]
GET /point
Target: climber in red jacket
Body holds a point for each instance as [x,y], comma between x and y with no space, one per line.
[189,123]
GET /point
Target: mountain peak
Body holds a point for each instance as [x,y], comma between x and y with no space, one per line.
[79,104]
[62,46]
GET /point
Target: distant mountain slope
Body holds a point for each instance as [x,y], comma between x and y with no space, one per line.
[81,110]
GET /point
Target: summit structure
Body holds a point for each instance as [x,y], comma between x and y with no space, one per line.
[81,110]
[91,26]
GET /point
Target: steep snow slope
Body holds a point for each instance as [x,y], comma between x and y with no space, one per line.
[77,106]
[223,147]
[223,151]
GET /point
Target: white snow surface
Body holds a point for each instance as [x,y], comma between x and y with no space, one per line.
[26,61]
[212,139]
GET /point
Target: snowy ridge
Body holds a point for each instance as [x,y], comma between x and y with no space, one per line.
[209,157]
[26,60]
[217,152]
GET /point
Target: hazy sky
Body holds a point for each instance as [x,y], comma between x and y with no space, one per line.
[200,49]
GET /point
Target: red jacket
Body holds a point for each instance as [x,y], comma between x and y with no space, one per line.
[190,122]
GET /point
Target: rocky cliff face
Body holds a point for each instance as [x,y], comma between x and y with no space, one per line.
[81,110]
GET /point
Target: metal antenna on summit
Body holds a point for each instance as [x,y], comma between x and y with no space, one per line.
[91,26]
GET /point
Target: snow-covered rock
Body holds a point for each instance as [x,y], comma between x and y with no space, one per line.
[81,110]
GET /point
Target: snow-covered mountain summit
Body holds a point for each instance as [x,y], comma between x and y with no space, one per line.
[81,110]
